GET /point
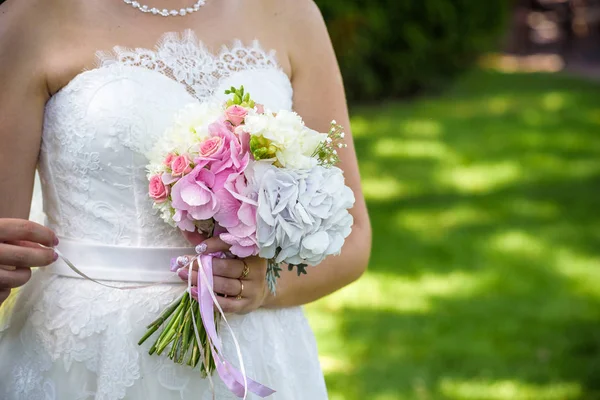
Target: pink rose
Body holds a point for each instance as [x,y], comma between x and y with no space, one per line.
[168,159]
[232,154]
[236,114]
[157,189]
[210,146]
[180,165]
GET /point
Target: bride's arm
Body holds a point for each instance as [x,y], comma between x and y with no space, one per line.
[319,97]
[22,98]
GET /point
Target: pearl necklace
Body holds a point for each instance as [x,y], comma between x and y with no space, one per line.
[164,12]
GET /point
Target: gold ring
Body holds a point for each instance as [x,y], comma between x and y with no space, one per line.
[239,295]
[245,271]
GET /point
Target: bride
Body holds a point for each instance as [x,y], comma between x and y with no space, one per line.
[86,88]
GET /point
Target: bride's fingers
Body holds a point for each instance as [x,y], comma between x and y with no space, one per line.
[228,267]
[14,279]
[224,267]
[231,287]
[227,304]
[20,229]
[184,274]
[26,257]
[194,237]
[24,243]
[232,305]
[213,245]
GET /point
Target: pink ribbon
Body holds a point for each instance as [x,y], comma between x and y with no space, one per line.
[235,380]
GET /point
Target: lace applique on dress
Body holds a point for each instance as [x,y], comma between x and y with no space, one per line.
[185,59]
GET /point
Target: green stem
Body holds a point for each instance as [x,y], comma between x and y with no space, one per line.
[148,334]
[195,356]
[187,336]
[181,348]
[166,313]
[168,334]
[165,330]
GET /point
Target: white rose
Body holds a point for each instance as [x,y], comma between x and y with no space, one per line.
[291,158]
[190,127]
[256,124]
[295,142]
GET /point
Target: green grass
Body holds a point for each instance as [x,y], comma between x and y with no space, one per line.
[484,281]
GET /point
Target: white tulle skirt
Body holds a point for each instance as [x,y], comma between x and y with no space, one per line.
[70,339]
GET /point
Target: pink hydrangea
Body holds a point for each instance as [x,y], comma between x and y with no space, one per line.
[193,194]
[237,215]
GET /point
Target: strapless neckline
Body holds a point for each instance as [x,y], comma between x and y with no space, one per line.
[230,55]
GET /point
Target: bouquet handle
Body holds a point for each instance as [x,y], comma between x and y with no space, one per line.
[235,380]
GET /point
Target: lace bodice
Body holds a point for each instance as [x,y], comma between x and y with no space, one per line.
[99,126]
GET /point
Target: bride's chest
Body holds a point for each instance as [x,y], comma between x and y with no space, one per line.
[123,106]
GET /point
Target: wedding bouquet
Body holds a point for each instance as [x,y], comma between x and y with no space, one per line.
[261,181]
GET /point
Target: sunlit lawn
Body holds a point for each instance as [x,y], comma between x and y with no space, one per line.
[485,275]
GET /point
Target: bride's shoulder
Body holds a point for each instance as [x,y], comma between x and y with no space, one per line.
[286,12]
[20,35]
[290,10]
[298,20]
[25,26]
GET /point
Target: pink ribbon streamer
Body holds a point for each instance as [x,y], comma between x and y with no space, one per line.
[235,380]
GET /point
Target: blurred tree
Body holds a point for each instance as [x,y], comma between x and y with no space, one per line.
[392,48]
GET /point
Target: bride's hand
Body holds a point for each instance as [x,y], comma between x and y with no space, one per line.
[229,274]
[20,250]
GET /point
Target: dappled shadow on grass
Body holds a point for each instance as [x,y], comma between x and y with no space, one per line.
[484,281]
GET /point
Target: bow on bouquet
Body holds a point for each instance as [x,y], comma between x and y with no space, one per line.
[265,184]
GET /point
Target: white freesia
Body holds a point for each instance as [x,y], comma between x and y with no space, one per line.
[302,216]
[295,142]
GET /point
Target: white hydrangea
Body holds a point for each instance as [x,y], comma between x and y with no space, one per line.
[166,212]
[302,216]
[295,142]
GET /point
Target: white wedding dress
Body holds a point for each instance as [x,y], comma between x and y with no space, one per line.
[71,339]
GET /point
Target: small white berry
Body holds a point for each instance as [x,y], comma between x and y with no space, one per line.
[340,145]
[342,135]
